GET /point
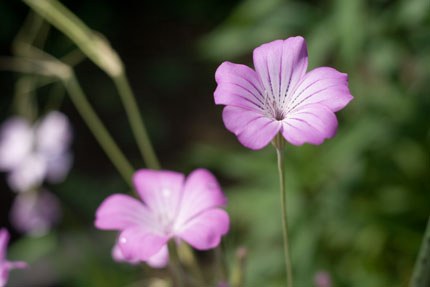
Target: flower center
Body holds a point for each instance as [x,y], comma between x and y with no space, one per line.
[272,109]
[165,216]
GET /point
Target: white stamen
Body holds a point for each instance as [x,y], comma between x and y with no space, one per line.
[123,240]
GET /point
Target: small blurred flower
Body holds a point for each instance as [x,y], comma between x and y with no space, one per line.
[32,153]
[35,212]
[280,97]
[5,265]
[173,207]
[322,279]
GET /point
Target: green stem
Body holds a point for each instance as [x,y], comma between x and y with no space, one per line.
[421,275]
[188,259]
[136,121]
[99,51]
[175,264]
[97,128]
[237,277]
[280,153]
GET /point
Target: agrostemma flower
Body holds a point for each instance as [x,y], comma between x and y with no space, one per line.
[279,96]
[171,207]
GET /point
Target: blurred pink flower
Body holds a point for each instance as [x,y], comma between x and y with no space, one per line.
[280,97]
[32,153]
[322,279]
[5,265]
[172,207]
[35,212]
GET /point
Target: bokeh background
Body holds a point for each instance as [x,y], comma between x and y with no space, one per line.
[357,205]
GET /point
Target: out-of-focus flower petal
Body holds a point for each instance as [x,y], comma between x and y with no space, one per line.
[120,211]
[322,85]
[53,134]
[137,242]
[281,64]
[171,208]
[16,142]
[160,190]
[28,174]
[238,86]
[201,192]
[119,256]
[35,212]
[309,124]
[204,231]
[58,167]
[254,130]
[322,279]
[5,265]
[159,259]
[4,240]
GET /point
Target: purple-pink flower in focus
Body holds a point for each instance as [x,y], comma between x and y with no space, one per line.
[31,153]
[35,212]
[280,97]
[5,265]
[171,207]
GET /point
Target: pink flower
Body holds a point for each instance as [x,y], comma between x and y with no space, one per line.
[279,96]
[322,279]
[5,265]
[31,153]
[172,207]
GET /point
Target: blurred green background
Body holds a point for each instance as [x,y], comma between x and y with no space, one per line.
[357,205]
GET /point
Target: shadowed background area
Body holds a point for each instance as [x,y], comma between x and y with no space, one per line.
[357,205]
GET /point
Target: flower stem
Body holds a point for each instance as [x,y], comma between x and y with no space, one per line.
[136,121]
[280,152]
[98,50]
[175,264]
[421,274]
[97,128]
[188,259]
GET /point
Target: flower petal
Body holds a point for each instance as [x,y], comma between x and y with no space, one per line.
[281,64]
[4,239]
[35,212]
[201,192]
[16,142]
[254,130]
[204,231]
[137,242]
[239,86]
[120,211]
[29,173]
[309,124]
[118,256]
[53,133]
[58,167]
[159,189]
[159,259]
[322,85]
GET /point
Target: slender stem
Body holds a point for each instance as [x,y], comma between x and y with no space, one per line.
[175,264]
[99,51]
[237,277]
[136,121]
[280,153]
[421,274]
[97,128]
[188,259]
